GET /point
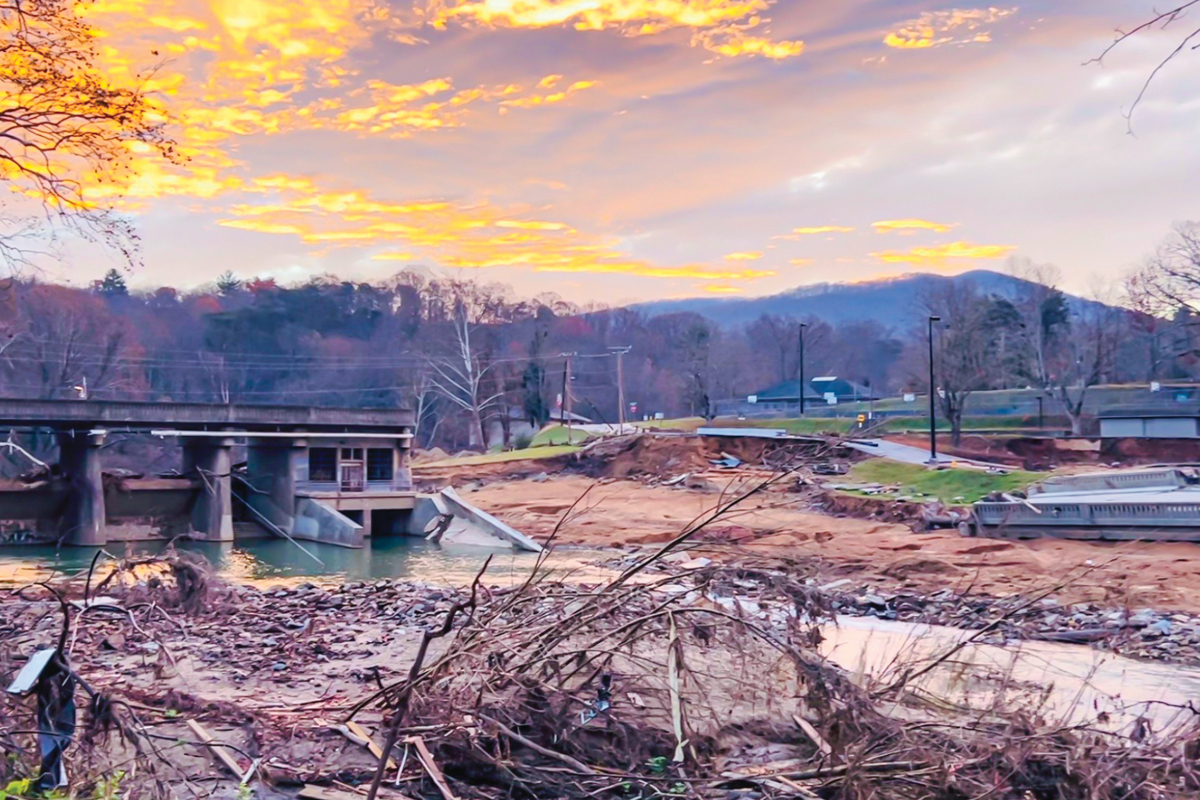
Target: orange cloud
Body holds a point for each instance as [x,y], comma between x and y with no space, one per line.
[820,230]
[957,26]
[890,226]
[752,256]
[800,262]
[721,25]
[722,288]
[475,236]
[940,255]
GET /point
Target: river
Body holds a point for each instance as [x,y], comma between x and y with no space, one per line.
[267,562]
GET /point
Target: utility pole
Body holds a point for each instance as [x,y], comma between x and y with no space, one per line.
[565,407]
[803,325]
[620,353]
[932,389]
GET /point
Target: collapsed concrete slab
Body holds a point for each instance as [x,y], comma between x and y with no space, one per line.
[465,523]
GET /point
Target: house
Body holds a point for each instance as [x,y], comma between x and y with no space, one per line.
[816,392]
[1179,422]
[842,390]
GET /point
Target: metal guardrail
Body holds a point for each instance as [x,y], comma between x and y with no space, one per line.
[1111,481]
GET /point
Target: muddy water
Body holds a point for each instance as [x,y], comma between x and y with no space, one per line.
[278,562]
[1067,683]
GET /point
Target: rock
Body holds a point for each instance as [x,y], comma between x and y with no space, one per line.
[1162,627]
[541,477]
[279,666]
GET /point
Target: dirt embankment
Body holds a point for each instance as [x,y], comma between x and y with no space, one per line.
[1042,453]
[888,555]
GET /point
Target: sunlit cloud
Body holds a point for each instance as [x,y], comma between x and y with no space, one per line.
[944,254]
[451,235]
[721,288]
[720,26]
[800,262]
[751,256]
[908,225]
[957,26]
[817,231]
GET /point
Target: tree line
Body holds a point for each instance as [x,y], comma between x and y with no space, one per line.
[470,357]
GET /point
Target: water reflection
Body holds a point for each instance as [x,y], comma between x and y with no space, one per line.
[275,561]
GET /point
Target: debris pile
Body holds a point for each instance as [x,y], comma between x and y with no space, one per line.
[708,684]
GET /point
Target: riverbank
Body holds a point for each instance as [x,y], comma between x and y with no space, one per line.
[793,521]
[676,679]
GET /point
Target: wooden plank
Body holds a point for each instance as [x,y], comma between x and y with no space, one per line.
[813,734]
[435,773]
[219,751]
[376,750]
[310,792]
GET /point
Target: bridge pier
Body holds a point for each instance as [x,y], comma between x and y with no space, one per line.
[212,462]
[271,466]
[79,457]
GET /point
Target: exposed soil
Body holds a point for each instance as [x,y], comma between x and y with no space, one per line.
[889,555]
[1043,453]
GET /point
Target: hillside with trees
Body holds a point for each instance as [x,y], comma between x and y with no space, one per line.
[467,354]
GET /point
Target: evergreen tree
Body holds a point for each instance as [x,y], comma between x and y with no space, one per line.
[228,284]
[113,285]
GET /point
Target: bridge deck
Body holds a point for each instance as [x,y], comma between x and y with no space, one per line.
[77,414]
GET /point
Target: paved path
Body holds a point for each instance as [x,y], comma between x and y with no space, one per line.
[908,454]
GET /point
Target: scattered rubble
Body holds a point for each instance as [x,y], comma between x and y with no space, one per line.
[679,678]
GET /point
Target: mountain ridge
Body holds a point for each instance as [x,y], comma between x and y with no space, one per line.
[892,302]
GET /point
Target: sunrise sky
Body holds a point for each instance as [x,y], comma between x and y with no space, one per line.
[619,150]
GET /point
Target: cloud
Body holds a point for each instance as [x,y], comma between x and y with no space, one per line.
[800,262]
[943,254]
[720,26]
[453,235]
[752,256]
[935,28]
[721,288]
[820,230]
[902,225]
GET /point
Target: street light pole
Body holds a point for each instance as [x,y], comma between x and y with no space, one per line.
[932,389]
[803,325]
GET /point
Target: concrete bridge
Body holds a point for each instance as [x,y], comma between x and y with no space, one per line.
[323,474]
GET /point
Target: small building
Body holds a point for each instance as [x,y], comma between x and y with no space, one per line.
[818,391]
[841,390]
[783,395]
[1165,422]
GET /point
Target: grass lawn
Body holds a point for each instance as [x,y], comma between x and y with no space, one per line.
[681,424]
[528,454]
[948,485]
[807,425]
[558,435]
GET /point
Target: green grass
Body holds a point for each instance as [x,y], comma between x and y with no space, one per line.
[948,485]
[681,424]
[558,435]
[528,454]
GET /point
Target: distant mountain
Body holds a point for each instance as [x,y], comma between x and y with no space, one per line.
[893,302]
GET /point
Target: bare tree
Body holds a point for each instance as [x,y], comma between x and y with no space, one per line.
[61,120]
[1159,20]
[1084,359]
[963,362]
[461,377]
